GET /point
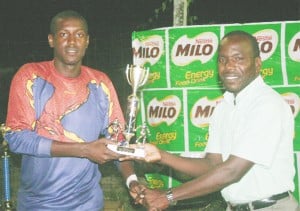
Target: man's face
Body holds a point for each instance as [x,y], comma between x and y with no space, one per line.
[69,41]
[237,64]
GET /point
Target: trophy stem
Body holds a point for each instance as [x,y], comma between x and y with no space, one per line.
[132,108]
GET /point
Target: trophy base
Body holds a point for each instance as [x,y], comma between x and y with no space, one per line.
[125,150]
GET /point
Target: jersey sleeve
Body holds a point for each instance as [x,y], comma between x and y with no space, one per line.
[21,117]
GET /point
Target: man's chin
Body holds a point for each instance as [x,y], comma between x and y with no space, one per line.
[71,62]
[232,89]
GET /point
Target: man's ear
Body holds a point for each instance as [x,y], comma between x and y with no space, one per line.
[258,64]
[50,40]
[87,41]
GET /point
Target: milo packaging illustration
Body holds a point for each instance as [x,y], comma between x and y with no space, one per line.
[164,114]
[193,56]
[292,49]
[292,96]
[201,105]
[148,50]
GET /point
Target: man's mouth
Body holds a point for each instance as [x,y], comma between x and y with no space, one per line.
[71,50]
[230,77]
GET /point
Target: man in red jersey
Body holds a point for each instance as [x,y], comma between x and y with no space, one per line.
[57,111]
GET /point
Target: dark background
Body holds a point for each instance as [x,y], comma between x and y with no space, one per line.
[24,26]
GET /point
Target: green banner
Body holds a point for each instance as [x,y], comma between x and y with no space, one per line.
[164,111]
[292,49]
[292,97]
[148,50]
[192,53]
[201,104]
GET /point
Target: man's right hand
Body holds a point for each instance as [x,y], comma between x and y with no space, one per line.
[98,152]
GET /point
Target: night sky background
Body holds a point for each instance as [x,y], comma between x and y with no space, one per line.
[27,20]
[24,26]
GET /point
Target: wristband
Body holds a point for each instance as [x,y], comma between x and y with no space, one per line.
[131,178]
[170,197]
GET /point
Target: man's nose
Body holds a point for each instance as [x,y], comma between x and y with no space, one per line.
[71,39]
[229,65]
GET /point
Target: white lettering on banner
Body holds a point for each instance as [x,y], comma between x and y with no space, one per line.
[166,110]
[267,40]
[202,110]
[147,50]
[187,50]
[294,48]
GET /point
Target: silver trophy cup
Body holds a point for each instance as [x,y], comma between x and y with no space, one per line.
[137,76]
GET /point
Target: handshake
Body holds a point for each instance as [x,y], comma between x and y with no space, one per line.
[153,200]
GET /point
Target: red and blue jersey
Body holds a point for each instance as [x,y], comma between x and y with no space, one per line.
[45,106]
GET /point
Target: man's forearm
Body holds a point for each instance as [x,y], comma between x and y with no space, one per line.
[66,149]
[190,166]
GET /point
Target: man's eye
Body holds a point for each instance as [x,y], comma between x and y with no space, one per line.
[63,34]
[237,58]
[221,60]
[80,35]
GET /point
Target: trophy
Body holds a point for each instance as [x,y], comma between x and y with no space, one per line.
[136,76]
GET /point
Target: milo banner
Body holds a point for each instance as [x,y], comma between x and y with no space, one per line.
[200,106]
[291,95]
[184,89]
[165,118]
[149,50]
[192,56]
[292,49]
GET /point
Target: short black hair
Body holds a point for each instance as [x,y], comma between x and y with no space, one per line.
[67,14]
[248,36]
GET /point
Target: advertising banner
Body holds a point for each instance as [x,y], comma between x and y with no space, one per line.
[192,56]
[292,96]
[292,50]
[148,50]
[201,104]
[164,114]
